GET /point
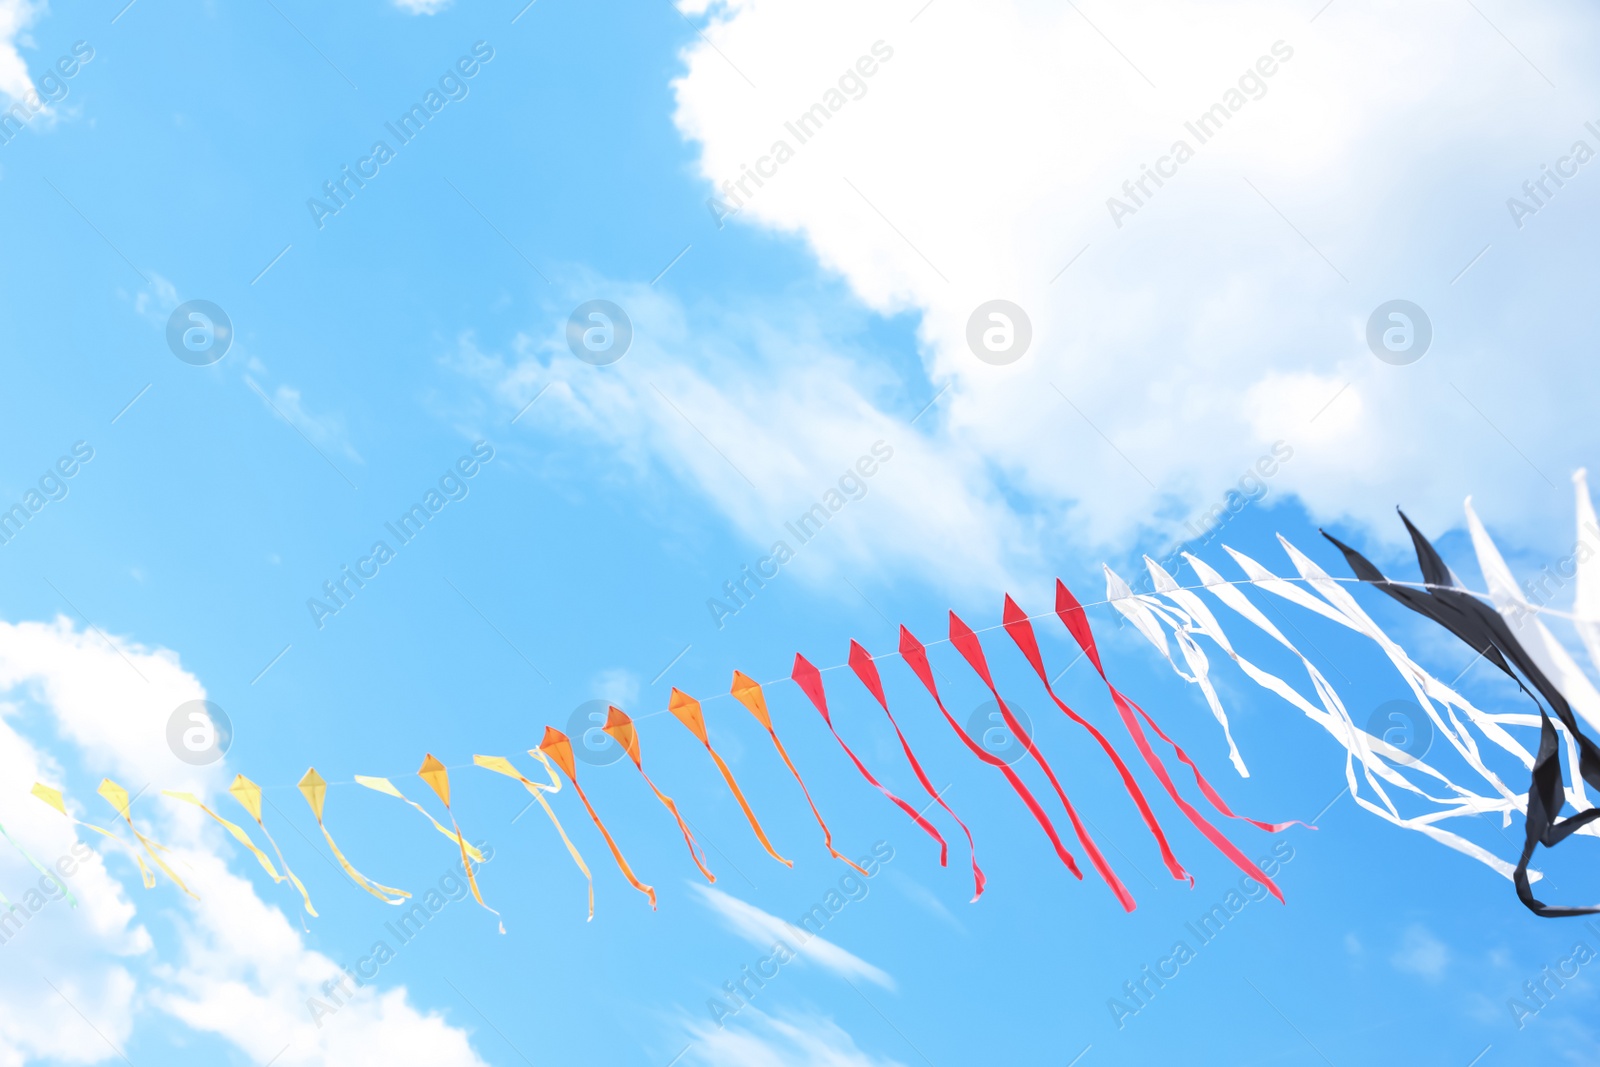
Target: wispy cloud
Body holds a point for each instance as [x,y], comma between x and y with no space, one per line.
[324,430]
[1422,953]
[926,899]
[781,1040]
[761,929]
[761,411]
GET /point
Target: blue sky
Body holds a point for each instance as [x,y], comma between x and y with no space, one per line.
[773,347]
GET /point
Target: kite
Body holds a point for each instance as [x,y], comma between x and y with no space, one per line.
[559,748]
[1486,632]
[1505,626]
[315,790]
[433,772]
[1020,630]
[53,797]
[748,692]
[1077,623]
[248,794]
[809,679]
[916,656]
[686,709]
[118,798]
[861,663]
[966,643]
[620,727]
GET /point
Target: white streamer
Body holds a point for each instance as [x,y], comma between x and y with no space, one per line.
[1547,653]
[1190,615]
[1587,608]
[1140,610]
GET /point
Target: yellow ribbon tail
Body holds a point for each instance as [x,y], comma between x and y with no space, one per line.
[294,881]
[383,785]
[237,831]
[438,778]
[377,889]
[501,765]
[248,794]
[472,879]
[314,788]
[572,850]
[53,797]
[117,797]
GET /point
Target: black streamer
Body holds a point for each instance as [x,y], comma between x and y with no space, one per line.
[1481,627]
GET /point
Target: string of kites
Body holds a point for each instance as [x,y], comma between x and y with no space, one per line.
[1507,632]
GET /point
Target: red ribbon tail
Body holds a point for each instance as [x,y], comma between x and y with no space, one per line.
[971,649]
[912,651]
[1072,614]
[809,679]
[1021,631]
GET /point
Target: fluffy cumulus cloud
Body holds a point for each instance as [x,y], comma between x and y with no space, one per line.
[1198,209]
[15,17]
[78,981]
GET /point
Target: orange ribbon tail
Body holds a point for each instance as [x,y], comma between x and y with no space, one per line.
[558,747]
[747,691]
[621,728]
[686,709]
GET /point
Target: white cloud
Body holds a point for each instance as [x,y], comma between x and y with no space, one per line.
[327,432]
[764,436]
[618,685]
[781,1040]
[925,898]
[422,7]
[237,967]
[978,163]
[324,431]
[1421,953]
[15,17]
[762,929]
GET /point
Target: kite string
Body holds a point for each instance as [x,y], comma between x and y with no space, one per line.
[1535,608]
